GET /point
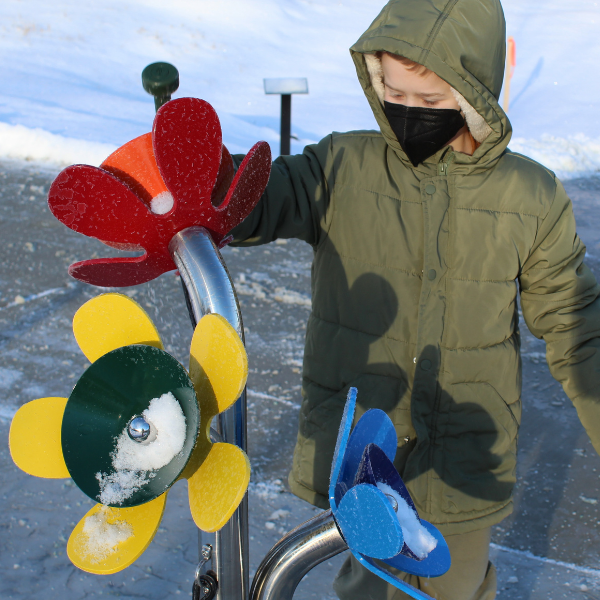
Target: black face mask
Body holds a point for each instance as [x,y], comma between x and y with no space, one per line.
[422,131]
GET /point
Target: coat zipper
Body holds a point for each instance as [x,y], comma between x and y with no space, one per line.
[442,171]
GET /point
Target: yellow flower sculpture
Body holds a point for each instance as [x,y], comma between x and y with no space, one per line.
[96,438]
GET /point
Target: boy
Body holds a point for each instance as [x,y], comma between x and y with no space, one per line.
[423,234]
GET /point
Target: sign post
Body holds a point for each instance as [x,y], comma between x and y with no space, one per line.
[286,87]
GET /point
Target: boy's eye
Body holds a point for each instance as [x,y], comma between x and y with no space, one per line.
[431,102]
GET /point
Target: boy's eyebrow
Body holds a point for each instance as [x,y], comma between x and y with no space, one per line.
[422,95]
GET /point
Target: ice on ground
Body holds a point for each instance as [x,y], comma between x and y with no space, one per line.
[291,297]
[416,537]
[134,462]
[8,377]
[266,490]
[162,204]
[103,537]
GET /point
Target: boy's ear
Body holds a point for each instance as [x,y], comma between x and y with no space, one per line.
[375,70]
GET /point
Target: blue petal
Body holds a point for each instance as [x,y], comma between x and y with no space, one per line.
[437,562]
[413,592]
[342,442]
[375,466]
[374,427]
[368,522]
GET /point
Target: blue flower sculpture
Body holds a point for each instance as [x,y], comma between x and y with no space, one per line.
[373,508]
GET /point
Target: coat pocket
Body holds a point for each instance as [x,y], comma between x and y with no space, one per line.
[479,448]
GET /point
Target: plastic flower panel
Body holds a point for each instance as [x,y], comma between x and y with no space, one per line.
[78,437]
[181,175]
[366,516]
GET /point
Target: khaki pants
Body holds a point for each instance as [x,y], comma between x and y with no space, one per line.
[471,576]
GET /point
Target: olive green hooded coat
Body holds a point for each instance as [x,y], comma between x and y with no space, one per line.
[416,273]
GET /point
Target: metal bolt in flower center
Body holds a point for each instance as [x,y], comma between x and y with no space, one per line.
[139,430]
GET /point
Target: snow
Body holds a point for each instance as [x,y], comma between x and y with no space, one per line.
[134,462]
[74,91]
[416,537]
[103,536]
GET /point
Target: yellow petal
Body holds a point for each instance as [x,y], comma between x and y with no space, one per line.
[218,362]
[111,321]
[34,438]
[108,540]
[218,486]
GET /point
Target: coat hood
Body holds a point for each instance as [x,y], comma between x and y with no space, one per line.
[464,43]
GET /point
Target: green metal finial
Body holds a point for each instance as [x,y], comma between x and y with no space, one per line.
[161,80]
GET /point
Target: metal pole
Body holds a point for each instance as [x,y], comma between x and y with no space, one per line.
[210,290]
[286,123]
[294,555]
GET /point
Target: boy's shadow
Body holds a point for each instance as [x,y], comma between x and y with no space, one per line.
[473,469]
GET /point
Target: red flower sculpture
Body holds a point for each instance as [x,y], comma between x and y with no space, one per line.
[151,188]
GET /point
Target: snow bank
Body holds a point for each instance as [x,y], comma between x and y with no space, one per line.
[72,84]
[577,156]
[22,143]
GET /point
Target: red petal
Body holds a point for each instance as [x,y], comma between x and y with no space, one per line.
[187,145]
[246,190]
[121,271]
[93,202]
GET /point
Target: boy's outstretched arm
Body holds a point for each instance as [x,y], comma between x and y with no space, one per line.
[295,202]
[561,304]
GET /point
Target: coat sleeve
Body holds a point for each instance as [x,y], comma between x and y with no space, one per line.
[561,304]
[295,201]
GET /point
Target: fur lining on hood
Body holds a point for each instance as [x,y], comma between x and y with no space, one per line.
[476,123]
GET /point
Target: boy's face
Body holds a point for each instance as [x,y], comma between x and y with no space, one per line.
[403,86]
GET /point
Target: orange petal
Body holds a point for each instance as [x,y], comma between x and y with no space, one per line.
[134,164]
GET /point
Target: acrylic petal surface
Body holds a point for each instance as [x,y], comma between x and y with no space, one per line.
[35,438]
[341,444]
[122,271]
[218,363]
[437,562]
[111,321]
[108,540]
[413,592]
[218,486]
[188,147]
[94,202]
[196,168]
[373,427]
[246,190]
[368,522]
[135,165]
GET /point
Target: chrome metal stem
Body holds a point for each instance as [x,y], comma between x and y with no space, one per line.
[294,555]
[211,290]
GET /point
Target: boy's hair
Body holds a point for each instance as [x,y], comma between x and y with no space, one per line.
[411,65]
